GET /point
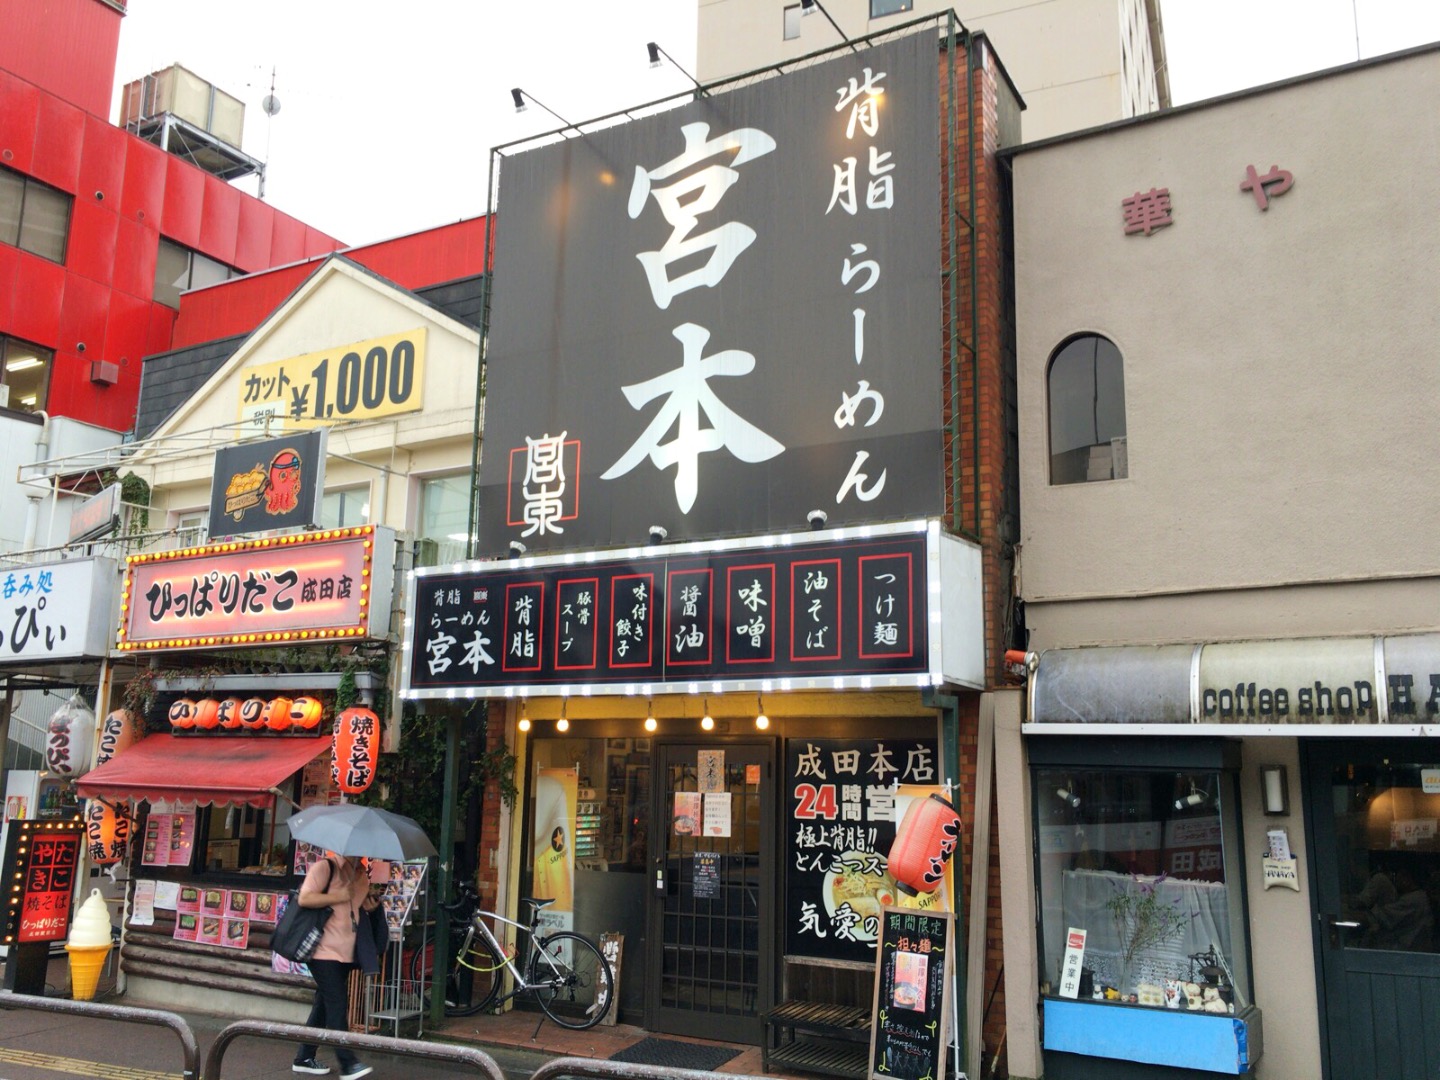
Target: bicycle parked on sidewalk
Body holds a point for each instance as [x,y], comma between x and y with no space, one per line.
[564,971]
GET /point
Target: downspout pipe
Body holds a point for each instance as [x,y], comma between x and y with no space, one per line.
[32,512]
[949,706]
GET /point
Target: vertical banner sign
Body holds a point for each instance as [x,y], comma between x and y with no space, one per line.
[722,317]
[839,826]
[909,1022]
[40,864]
[554,846]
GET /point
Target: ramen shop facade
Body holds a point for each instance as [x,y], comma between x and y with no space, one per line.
[732,598]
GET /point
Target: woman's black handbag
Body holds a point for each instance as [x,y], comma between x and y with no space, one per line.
[298,932]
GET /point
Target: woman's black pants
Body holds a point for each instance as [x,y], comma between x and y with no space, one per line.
[332,1006]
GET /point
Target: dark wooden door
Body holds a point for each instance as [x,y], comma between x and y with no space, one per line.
[710,959]
[1377,869]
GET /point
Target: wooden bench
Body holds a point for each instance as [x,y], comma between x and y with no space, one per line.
[810,1036]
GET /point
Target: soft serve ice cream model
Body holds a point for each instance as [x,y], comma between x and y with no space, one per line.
[88,946]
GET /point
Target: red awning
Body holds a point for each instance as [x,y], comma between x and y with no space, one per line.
[200,770]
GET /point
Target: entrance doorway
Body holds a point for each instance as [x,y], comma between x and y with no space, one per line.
[1373,807]
[710,965]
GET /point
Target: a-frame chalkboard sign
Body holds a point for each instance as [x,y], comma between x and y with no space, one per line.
[909,1020]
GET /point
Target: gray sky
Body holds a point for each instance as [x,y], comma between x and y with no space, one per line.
[388,110]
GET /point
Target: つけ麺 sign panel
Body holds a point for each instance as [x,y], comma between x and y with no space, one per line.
[303,587]
[825,611]
[41,858]
[724,316]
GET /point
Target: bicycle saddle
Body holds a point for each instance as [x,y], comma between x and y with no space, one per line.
[539,904]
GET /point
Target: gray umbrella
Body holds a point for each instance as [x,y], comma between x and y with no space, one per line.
[349,829]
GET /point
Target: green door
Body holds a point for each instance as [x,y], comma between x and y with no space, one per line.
[710,962]
[1373,806]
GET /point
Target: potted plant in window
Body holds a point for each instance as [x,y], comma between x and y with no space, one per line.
[1143,921]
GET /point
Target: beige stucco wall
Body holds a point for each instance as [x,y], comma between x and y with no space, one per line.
[1277,365]
[339,306]
[1064,55]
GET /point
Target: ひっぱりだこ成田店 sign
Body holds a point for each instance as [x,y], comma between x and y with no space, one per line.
[303,587]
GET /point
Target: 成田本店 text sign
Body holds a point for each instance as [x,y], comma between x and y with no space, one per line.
[828,610]
[307,586]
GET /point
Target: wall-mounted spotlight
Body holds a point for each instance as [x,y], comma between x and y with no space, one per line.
[1068,796]
[1195,798]
[809,7]
[516,549]
[658,533]
[524,724]
[650,724]
[707,722]
[817,519]
[761,720]
[563,724]
[522,98]
[656,52]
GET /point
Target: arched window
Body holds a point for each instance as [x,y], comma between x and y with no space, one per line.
[1086,387]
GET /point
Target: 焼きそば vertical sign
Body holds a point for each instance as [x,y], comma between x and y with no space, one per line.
[909,1021]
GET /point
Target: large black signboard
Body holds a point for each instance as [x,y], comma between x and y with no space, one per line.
[839,825]
[911,1014]
[275,484]
[838,608]
[720,318]
[40,863]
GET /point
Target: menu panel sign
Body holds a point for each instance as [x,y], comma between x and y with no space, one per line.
[830,608]
[840,820]
[910,1019]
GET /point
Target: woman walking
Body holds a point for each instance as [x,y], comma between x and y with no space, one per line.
[343,886]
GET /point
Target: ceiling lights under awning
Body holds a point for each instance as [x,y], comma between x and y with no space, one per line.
[201,770]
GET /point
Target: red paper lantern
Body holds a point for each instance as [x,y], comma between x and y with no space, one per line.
[207,713]
[355,751]
[276,714]
[924,842]
[252,713]
[228,713]
[117,733]
[306,713]
[107,831]
[182,713]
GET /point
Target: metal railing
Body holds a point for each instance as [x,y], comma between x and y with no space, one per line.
[482,1063]
[127,1014]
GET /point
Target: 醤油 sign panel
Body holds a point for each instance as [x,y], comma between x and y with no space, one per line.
[721,318]
[827,613]
[303,587]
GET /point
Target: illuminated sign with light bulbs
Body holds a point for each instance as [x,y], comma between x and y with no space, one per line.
[41,860]
[304,587]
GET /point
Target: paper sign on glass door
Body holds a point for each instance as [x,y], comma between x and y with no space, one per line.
[717,814]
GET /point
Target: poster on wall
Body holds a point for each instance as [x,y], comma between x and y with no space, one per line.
[840,818]
[554,846]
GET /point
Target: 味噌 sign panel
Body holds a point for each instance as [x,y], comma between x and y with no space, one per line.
[831,609]
[723,317]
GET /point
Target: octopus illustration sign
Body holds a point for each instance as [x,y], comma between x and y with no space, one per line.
[273,484]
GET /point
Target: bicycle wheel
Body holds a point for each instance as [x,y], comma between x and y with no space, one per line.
[475,977]
[571,980]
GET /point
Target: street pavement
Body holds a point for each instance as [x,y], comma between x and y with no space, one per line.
[49,1046]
